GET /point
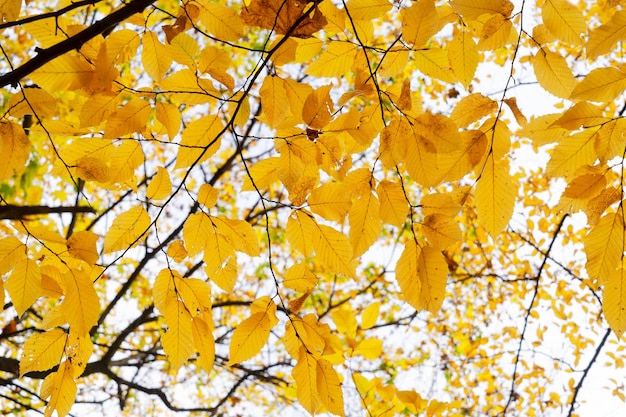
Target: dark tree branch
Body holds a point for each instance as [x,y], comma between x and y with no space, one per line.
[14,212]
[73,42]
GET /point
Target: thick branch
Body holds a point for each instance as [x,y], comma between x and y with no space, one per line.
[13,212]
[73,42]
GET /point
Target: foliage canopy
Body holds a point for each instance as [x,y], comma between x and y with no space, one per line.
[347,206]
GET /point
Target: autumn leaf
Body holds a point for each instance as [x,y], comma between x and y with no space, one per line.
[297,19]
[15,149]
[61,389]
[24,284]
[43,351]
[127,229]
[251,335]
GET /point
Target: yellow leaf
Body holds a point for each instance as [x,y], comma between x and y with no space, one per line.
[261,175]
[609,141]
[553,73]
[221,261]
[421,159]
[394,206]
[419,22]
[216,62]
[407,273]
[433,274]
[24,285]
[78,350]
[61,388]
[365,224]
[43,351]
[337,59]
[440,131]
[317,108]
[67,72]
[603,38]
[542,130]
[463,57]
[282,17]
[582,114]
[11,251]
[240,234]
[155,56]
[495,196]
[221,20]
[604,246]
[249,337]
[299,277]
[370,315]
[204,343]
[571,153]
[394,64]
[125,159]
[329,387]
[393,146]
[581,189]
[164,289]
[367,9]
[440,203]
[614,301]
[81,306]
[169,116]
[472,108]
[177,339]
[82,245]
[598,205]
[131,117]
[305,375]
[601,85]
[441,230]
[195,294]
[184,50]
[14,148]
[299,230]
[186,87]
[564,20]
[332,201]
[497,32]
[10,10]
[127,229]
[160,185]
[433,62]
[207,195]
[332,248]
[473,9]
[274,101]
[97,109]
[370,348]
[200,140]
[30,100]
[195,231]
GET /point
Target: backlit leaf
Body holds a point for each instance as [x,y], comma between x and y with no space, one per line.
[496,191]
[160,186]
[553,73]
[604,246]
[14,148]
[126,230]
[81,305]
[82,245]
[43,351]
[155,56]
[249,337]
[419,22]
[329,387]
[60,388]
[603,38]
[564,20]
[614,301]
[177,339]
[601,84]
[24,285]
